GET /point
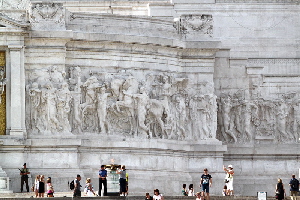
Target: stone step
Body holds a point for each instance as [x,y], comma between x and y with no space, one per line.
[68,196]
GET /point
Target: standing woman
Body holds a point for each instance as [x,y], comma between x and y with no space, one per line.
[122,180]
[280,191]
[41,186]
[36,185]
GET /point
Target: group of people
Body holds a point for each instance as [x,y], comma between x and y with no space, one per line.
[41,186]
[189,191]
[206,183]
[156,196]
[102,175]
[294,188]
[39,183]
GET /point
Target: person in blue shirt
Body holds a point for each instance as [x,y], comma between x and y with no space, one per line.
[294,184]
[102,180]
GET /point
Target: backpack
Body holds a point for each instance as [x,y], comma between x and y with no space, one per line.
[294,184]
[72,186]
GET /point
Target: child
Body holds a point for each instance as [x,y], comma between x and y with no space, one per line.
[184,191]
[50,189]
[191,190]
[224,191]
[198,196]
[148,197]
[89,188]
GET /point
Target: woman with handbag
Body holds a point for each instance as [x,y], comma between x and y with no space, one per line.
[280,191]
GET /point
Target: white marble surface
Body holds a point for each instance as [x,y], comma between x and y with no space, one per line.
[160,86]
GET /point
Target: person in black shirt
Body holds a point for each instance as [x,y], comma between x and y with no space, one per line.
[205,183]
[148,197]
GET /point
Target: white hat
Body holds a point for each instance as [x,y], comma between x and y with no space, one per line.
[230,166]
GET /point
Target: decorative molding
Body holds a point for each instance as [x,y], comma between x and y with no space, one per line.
[15,4]
[268,61]
[47,16]
[194,24]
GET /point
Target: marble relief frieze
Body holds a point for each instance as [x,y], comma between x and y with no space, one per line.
[256,120]
[156,105]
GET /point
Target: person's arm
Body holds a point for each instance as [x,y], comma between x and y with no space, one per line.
[201,180]
[210,182]
[75,184]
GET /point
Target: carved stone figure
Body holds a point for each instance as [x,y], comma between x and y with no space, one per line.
[49,97]
[63,107]
[35,100]
[282,113]
[227,129]
[56,77]
[130,87]
[89,106]
[102,110]
[141,100]
[180,115]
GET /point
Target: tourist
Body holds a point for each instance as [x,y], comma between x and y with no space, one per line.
[24,177]
[127,178]
[102,180]
[36,185]
[77,192]
[229,177]
[41,186]
[205,183]
[294,184]
[224,191]
[88,189]
[184,191]
[122,180]
[148,197]
[50,189]
[279,190]
[191,190]
[157,195]
[198,196]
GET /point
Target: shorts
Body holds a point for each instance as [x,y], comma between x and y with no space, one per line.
[205,188]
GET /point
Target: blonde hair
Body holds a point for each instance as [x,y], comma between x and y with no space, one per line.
[279,180]
[88,180]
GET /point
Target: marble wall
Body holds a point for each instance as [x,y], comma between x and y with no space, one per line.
[166,88]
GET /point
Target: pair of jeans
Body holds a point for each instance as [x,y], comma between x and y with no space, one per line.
[104,182]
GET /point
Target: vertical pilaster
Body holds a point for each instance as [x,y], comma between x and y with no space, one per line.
[16,121]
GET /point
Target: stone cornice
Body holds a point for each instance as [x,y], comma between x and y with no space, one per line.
[4,20]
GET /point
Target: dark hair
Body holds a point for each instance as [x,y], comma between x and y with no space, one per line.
[225,187]
[102,166]
[78,175]
[184,185]
[147,193]
[205,169]
[156,190]
[293,176]
[190,186]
